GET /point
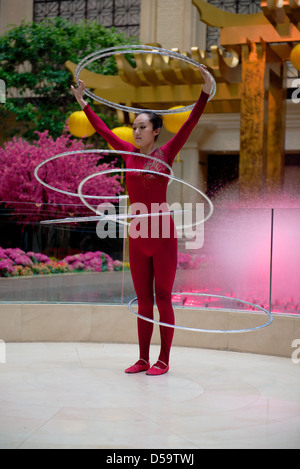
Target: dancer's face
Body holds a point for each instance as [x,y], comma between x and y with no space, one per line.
[143,132]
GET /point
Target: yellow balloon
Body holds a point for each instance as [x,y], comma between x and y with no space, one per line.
[125,133]
[295,57]
[79,125]
[173,122]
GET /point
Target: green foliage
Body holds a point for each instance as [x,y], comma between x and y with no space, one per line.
[32,58]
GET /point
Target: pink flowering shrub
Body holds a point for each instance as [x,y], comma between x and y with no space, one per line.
[20,190]
[36,257]
[15,262]
[6,267]
[92,262]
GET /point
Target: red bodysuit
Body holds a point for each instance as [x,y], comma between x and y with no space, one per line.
[152,258]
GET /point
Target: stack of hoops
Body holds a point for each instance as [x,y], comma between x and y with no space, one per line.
[139,49]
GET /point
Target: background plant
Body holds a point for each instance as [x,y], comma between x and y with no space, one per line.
[18,263]
[18,160]
[32,58]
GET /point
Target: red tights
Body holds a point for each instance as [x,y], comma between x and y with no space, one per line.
[153,265]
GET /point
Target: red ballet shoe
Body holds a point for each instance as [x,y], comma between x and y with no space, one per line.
[157,370]
[139,366]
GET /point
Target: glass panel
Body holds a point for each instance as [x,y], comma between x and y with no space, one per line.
[286,261]
[234,260]
[57,263]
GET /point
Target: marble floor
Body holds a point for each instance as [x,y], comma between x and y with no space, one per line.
[76,395]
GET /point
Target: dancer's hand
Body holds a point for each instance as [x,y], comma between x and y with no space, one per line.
[208,79]
[78,93]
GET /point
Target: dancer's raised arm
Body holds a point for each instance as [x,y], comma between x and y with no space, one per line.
[174,145]
[101,128]
[208,79]
[78,93]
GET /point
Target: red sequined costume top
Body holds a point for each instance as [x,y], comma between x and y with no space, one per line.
[147,188]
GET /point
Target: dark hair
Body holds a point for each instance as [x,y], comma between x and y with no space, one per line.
[154,118]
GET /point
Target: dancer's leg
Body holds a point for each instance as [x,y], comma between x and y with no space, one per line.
[141,267]
[165,264]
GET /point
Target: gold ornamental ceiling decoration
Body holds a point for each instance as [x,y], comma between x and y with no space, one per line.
[278,25]
[158,81]
[275,12]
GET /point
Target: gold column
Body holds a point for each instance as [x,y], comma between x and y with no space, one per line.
[254,110]
[276,130]
[262,120]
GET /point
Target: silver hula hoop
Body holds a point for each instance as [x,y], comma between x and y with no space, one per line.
[141,49]
[212,331]
[170,176]
[80,152]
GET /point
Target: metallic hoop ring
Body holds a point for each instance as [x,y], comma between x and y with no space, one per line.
[215,331]
[141,49]
[170,176]
[79,152]
[114,218]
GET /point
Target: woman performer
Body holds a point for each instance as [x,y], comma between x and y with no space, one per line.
[153,254]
